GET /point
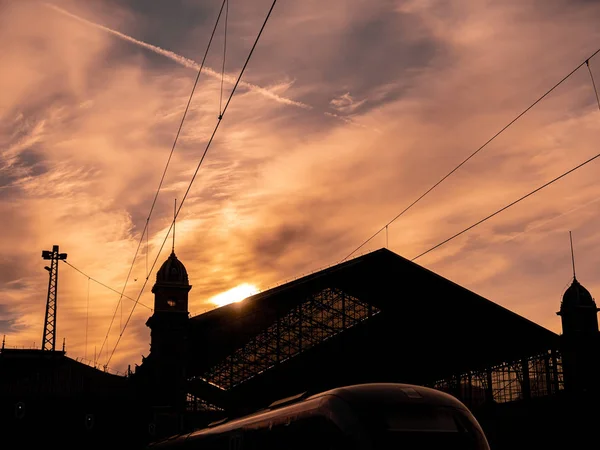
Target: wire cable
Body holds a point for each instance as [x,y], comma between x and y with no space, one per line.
[102,284]
[473,154]
[87,317]
[508,206]
[147,246]
[224,55]
[196,171]
[165,170]
[587,63]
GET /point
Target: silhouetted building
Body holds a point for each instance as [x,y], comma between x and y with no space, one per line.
[47,398]
[580,339]
[162,374]
[376,318]
[357,322]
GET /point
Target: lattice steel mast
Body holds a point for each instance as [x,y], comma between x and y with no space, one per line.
[49,336]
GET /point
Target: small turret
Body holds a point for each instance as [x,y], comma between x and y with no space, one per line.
[580,340]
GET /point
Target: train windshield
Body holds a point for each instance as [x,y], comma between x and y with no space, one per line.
[425,426]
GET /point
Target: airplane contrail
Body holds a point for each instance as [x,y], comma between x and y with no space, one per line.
[186,62]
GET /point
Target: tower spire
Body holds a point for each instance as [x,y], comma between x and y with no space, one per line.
[174,217]
[572,255]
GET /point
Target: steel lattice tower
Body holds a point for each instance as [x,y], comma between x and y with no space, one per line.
[49,337]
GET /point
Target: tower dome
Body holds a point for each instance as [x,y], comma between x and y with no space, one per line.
[577,296]
[172,272]
[578,311]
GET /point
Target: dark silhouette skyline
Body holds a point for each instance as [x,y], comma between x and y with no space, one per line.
[326,140]
[376,318]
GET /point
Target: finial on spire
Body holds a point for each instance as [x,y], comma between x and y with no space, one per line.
[174,217]
[572,255]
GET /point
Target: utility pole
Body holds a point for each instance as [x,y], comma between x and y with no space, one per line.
[49,337]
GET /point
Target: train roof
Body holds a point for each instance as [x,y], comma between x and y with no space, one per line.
[360,396]
[392,393]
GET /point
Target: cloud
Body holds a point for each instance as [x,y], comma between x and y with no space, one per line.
[86,126]
[346,104]
[271,92]
[182,60]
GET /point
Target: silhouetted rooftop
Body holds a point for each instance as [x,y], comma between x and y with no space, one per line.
[32,371]
[424,317]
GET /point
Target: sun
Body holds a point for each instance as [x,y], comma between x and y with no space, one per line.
[236,294]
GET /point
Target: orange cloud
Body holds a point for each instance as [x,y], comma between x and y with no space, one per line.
[87,120]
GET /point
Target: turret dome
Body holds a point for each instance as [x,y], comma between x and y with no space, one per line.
[172,272]
[577,296]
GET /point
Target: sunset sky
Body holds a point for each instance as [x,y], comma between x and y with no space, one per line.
[349,111]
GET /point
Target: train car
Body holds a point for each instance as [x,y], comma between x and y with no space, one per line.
[380,416]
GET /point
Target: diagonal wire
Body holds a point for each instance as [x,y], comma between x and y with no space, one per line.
[196,171]
[509,205]
[224,54]
[587,63]
[165,170]
[472,154]
[147,245]
[87,317]
[102,284]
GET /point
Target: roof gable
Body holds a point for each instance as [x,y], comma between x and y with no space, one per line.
[421,303]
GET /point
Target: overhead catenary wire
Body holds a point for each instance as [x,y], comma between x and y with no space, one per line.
[196,172]
[165,171]
[546,222]
[585,62]
[87,317]
[102,284]
[147,246]
[504,208]
[224,55]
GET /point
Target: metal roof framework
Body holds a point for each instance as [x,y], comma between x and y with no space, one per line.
[379,317]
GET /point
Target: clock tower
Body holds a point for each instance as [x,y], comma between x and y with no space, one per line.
[170,317]
[168,335]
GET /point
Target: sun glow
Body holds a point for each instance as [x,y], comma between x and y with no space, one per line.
[236,294]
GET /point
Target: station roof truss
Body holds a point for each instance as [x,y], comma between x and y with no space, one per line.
[378,311]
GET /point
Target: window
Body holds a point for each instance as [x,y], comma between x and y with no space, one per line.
[312,433]
[415,428]
[236,441]
[89,421]
[420,420]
